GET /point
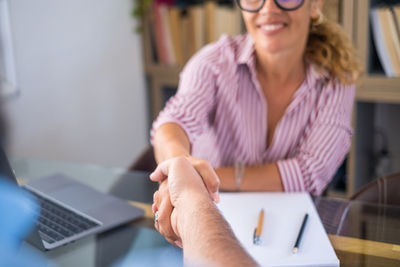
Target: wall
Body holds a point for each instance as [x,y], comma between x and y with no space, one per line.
[82,88]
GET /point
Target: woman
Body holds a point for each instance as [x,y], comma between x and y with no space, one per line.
[270,110]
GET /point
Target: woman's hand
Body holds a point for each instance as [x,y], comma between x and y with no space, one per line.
[162,204]
[171,141]
[208,174]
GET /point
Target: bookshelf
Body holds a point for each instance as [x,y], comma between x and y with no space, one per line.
[374,88]
[157,74]
[163,77]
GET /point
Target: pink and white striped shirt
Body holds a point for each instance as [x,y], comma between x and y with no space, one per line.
[222,108]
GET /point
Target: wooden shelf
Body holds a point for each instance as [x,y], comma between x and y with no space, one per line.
[163,70]
[379,88]
[337,194]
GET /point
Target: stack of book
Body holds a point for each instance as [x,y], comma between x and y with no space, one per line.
[178,32]
[386,33]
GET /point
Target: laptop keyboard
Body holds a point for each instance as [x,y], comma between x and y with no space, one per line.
[56,222]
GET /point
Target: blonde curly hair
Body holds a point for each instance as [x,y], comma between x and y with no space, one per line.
[330,49]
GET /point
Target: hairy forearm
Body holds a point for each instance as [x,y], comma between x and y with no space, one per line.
[255,178]
[170,140]
[208,239]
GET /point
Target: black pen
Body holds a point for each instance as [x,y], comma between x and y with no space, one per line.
[298,240]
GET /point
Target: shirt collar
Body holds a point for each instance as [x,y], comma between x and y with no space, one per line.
[245,53]
[315,74]
[314,79]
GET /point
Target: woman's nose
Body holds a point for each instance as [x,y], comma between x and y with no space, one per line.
[269,6]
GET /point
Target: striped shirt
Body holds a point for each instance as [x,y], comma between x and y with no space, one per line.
[221,106]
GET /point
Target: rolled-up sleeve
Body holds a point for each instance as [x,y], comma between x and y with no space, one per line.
[324,146]
[191,105]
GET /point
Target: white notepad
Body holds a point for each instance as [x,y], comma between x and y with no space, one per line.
[284,213]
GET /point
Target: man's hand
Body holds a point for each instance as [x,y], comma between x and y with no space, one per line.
[180,186]
[195,220]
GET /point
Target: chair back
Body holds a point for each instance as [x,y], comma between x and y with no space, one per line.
[145,162]
[384,190]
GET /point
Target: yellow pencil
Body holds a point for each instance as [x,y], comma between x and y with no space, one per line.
[259,229]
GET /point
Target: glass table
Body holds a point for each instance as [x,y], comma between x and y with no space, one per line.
[362,234]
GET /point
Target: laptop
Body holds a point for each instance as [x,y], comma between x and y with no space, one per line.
[70,210]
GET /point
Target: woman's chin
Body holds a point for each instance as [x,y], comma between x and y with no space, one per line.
[270,48]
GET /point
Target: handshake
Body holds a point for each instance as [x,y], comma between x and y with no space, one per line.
[182,190]
[185,213]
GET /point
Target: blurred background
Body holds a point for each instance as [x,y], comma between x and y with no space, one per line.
[85,78]
[80,87]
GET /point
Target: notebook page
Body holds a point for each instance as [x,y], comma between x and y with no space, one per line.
[284,213]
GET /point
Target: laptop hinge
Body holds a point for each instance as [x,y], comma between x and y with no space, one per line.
[34,239]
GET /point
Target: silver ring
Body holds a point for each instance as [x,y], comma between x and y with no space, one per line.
[156,216]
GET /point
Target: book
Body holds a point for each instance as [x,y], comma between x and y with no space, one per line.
[185,37]
[162,30]
[190,39]
[221,20]
[159,35]
[396,17]
[396,13]
[284,213]
[174,14]
[179,32]
[210,9]
[227,21]
[166,28]
[196,15]
[386,40]
[395,38]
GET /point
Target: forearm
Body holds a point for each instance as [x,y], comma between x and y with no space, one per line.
[255,178]
[208,239]
[170,140]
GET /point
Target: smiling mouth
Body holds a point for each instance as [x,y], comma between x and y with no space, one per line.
[272,27]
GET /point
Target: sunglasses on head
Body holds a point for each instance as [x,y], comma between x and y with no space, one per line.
[256,5]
